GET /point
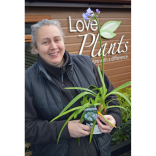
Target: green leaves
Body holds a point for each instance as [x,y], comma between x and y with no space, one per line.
[125,115]
[98,100]
[108,28]
[61,114]
[75,99]
[117,107]
[107,34]
[124,131]
[103,89]
[101,76]
[122,86]
[82,108]
[80,88]
[80,122]
[92,130]
[111,25]
[120,94]
[65,125]
[106,119]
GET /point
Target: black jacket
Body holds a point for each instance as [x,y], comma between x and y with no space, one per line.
[45,100]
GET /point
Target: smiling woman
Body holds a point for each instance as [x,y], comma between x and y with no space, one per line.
[50,45]
[46,96]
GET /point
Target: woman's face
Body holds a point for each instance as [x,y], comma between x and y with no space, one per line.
[50,45]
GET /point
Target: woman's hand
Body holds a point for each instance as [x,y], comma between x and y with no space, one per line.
[106,128]
[77,129]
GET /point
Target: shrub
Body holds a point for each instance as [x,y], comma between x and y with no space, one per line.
[124,131]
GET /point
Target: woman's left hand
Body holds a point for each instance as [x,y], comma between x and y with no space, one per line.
[106,128]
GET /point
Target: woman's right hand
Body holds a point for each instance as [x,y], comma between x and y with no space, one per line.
[77,129]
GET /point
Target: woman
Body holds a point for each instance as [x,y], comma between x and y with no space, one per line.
[45,97]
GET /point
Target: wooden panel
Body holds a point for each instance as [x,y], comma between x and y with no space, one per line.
[64,13]
[116,64]
[115,1]
[36,18]
[106,1]
[119,83]
[118,77]
[28,38]
[117,69]
[74,0]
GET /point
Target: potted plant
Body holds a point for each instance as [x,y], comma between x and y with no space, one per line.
[98,95]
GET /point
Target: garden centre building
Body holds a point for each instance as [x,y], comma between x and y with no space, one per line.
[81,37]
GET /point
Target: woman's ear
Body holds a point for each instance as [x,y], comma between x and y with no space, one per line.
[35,49]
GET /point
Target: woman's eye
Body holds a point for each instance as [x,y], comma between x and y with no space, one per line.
[45,42]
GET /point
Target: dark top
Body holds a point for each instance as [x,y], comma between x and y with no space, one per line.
[60,77]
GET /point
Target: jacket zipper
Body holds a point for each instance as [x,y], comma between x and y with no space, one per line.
[65,85]
[86,146]
[70,78]
[69,91]
[62,77]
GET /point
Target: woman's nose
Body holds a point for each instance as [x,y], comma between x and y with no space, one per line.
[53,45]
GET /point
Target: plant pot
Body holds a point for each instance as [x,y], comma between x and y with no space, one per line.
[121,148]
[90,115]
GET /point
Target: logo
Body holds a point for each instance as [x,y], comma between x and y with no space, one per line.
[106,31]
[108,28]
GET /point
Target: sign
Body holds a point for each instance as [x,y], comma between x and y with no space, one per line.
[107,32]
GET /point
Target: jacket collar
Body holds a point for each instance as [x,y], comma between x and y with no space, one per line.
[49,71]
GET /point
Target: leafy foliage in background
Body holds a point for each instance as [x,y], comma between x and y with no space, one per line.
[124,131]
[127,93]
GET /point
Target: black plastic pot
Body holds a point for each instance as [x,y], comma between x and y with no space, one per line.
[121,148]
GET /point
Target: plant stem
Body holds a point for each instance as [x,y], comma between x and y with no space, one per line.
[101,48]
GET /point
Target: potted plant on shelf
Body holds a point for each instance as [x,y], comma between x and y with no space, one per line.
[96,104]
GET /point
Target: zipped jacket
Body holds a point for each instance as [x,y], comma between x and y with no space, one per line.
[49,103]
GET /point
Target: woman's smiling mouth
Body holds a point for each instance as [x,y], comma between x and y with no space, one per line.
[53,54]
